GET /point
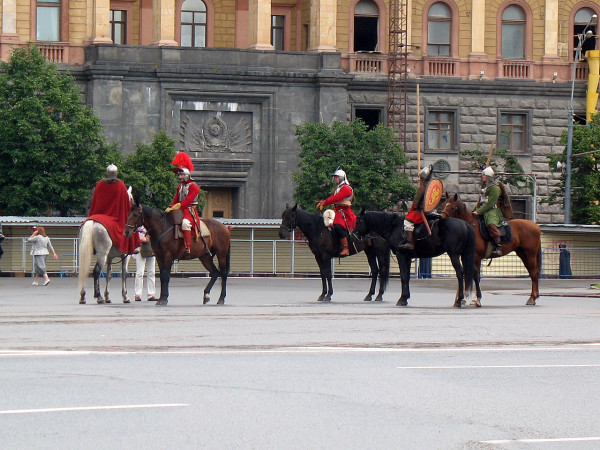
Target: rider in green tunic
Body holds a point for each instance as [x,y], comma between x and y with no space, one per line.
[492,215]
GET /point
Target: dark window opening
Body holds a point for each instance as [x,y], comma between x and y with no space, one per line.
[519,206]
[372,117]
[365,34]
[218,214]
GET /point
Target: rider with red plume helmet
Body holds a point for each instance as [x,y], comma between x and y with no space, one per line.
[186,199]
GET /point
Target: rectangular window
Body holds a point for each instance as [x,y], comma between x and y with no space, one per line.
[513,37]
[512,132]
[438,34]
[118,26]
[48,21]
[440,130]
[519,206]
[278,32]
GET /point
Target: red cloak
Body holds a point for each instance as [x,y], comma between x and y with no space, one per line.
[110,207]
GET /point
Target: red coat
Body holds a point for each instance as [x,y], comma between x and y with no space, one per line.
[414,216]
[110,207]
[344,192]
[189,203]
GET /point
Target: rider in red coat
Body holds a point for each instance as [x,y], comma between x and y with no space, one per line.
[345,219]
[186,199]
[110,207]
[415,215]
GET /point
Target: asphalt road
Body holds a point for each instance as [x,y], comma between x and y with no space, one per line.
[274,369]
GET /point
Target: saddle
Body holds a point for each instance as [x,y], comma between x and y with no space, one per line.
[505,231]
[420,228]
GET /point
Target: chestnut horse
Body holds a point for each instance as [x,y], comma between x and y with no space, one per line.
[526,243]
[167,249]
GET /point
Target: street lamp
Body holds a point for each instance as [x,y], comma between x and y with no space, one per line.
[581,38]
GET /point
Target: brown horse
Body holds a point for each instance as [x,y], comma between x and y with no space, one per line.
[526,243]
[167,249]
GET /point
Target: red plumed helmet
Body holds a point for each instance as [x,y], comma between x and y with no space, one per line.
[182,159]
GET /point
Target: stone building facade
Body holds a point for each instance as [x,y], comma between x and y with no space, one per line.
[230,80]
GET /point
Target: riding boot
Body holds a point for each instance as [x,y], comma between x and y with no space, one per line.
[187,239]
[344,243]
[497,247]
[410,241]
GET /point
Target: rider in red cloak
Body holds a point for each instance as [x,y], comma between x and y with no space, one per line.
[110,207]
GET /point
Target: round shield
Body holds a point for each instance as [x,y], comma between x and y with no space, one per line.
[433,194]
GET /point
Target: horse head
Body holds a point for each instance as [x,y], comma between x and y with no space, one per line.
[135,219]
[288,221]
[361,228]
[450,206]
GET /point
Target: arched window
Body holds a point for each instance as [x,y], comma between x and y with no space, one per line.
[439,27]
[513,33]
[366,26]
[582,18]
[193,23]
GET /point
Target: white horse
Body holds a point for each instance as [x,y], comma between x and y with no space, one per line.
[94,238]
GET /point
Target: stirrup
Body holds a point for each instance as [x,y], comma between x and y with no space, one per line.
[186,253]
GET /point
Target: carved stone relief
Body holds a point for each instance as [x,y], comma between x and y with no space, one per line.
[216,132]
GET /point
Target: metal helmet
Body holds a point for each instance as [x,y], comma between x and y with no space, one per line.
[111,171]
[339,173]
[488,172]
[426,172]
[186,173]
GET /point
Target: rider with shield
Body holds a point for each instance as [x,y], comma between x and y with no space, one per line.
[186,199]
[492,214]
[416,214]
[345,219]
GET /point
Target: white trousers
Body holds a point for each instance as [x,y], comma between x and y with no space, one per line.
[144,265]
[408,225]
[186,224]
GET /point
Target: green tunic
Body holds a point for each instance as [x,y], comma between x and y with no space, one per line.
[491,214]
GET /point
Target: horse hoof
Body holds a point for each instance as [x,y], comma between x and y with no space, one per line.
[206,299]
[463,302]
[368,298]
[379,298]
[221,302]
[126,300]
[161,302]
[107,301]
[82,302]
[320,299]
[402,303]
[530,302]
[476,302]
[326,299]
[100,301]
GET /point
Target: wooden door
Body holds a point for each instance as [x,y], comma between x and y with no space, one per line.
[218,203]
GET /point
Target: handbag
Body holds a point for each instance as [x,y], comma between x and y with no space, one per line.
[146,250]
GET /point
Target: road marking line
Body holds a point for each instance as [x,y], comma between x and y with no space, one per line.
[328,349]
[91,408]
[527,366]
[511,441]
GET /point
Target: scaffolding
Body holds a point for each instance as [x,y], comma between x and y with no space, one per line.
[398,68]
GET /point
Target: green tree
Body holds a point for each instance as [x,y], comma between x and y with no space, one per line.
[51,146]
[371,159]
[585,176]
[149,172]
[502,162]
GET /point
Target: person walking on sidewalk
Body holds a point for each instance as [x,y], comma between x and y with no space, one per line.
[40,249]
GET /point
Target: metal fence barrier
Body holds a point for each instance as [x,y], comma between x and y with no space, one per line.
[258,257]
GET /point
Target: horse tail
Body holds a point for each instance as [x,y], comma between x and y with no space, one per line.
[86,250]
[468,260]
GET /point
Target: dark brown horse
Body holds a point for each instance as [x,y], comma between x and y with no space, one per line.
[526,243]
[167,249]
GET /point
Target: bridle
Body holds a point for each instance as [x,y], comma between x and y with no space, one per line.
[138,222]
[292,224]
[454,209]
